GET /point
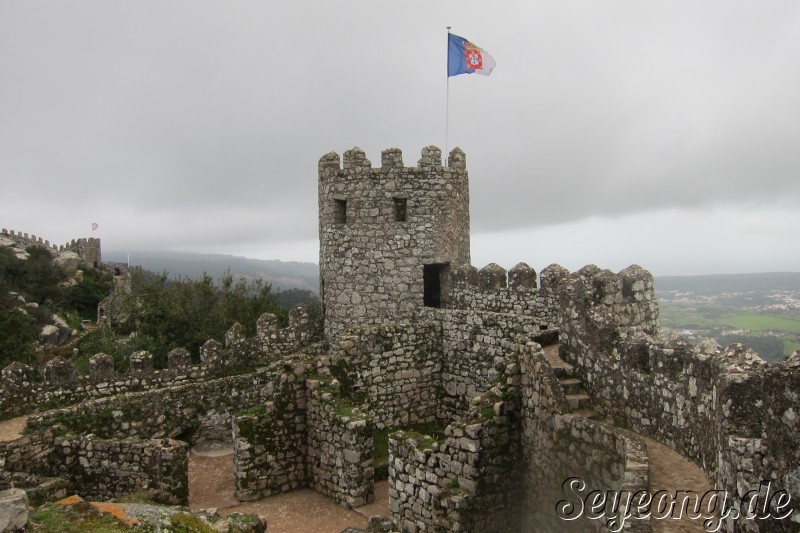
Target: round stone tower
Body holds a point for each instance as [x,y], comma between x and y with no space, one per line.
[389,236]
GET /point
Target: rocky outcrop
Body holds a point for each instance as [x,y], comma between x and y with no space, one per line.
[13,510]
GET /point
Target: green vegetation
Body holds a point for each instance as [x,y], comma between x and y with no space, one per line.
[292,297]
[428,432]
[760,323]
[39,280]
[789,347]
[188,523]
[103,339]
[166,314]
[77,518]
[762,308]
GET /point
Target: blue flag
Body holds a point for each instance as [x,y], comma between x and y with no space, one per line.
[464,57]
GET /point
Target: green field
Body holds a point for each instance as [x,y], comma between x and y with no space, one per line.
[760,323]
[789,347]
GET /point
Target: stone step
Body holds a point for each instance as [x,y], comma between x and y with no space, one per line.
[562,370]
[571,385]
[578,401]
[589,413]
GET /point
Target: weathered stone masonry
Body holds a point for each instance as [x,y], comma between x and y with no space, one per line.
[414,334]
[727,410]
[377,259]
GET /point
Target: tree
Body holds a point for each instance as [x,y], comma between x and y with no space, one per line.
[186,313]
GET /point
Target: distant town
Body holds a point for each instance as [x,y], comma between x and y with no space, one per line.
[761,311]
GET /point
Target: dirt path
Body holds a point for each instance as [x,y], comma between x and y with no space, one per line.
[672,472]
[12,429]
[211,484]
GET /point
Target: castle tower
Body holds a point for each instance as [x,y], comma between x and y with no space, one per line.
[389,236]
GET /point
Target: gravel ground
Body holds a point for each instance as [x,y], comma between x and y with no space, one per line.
[211,485]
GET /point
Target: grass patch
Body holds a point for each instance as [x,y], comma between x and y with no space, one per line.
[78,518]
[429,433]
[187,523]
[789,347]
[760,323]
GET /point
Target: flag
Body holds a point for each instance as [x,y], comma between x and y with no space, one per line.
[94,226]
[464,57]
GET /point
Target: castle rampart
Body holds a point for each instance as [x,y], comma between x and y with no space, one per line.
[492,289]
[727,409]
[24,389]
[88,249]
[415,334]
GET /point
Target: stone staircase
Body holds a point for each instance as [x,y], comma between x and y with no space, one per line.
[579,401]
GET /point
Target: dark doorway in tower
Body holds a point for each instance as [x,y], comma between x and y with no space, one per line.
[433,277]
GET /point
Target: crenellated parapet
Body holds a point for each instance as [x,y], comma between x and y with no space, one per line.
[724,408]
[24,389]
[604,301]
[87,249]
[26,240]
[354,162]
[516,291]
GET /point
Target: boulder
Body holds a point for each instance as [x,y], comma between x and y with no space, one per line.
[69,261]
[13,510]
[49,336]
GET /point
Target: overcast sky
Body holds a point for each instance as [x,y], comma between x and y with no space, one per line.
[662,133]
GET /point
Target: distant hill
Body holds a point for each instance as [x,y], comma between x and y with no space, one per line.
[719,283]
[282,275]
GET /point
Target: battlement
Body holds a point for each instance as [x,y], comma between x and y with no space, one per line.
[23,388]
[88,249]
[28,240]
[520,278]
[624,300]
[517,291]
[355,163]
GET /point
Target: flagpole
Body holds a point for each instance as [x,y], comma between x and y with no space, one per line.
[447,104]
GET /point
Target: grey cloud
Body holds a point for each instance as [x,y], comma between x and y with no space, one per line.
[163,110]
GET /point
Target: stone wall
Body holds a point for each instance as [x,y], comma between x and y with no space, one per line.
[378,229]
[390,372]
[24,389]
[101,469]
[492,289]
[88,250]
[463,481]
[340,446]
[727,410]
[270,440]
[558,446]
[478,350]
[193,412]
[304,329]
[27,240]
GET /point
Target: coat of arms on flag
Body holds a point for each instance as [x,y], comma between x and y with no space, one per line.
[473,55]
[464,57]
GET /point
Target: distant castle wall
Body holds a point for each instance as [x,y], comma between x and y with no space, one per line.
[88,249]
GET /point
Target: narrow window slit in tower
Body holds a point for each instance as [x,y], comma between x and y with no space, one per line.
[340,213]
[400,209]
